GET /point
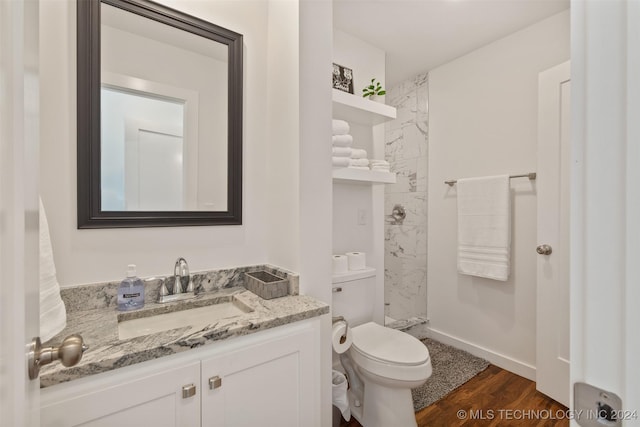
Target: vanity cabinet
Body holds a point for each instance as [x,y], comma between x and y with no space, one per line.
[268,378]
[135,400]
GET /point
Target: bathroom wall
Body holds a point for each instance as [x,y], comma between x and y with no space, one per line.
[483,121]
[86,256]
[283,113]
[405,241]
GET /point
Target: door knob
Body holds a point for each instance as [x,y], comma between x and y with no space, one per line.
[544,250]
[69,354]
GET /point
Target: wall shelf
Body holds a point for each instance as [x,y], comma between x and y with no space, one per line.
[356,109]
[353,275]
[361,176]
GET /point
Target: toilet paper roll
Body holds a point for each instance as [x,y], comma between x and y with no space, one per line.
[340,264]
[357,260]
[341,337]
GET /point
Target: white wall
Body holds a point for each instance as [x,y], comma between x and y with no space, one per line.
[366,61]
[283,237]
[315,172]
[483,121]
[86,256]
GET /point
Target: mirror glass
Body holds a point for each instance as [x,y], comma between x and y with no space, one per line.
[163,116]
[159,117]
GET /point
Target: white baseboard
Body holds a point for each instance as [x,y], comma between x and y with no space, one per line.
[504,362]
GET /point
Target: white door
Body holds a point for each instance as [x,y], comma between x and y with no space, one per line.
[19,287]
[553,183]
[605,201]
[155,177]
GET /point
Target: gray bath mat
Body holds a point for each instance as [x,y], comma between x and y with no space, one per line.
[451,369]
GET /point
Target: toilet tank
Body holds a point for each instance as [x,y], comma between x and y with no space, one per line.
[354,296]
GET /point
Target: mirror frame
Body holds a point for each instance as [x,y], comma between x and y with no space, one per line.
[90,214]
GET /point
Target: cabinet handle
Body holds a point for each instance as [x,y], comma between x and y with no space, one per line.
[215,382]
[188,391]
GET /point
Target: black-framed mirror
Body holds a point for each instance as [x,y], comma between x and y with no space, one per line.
[159,117]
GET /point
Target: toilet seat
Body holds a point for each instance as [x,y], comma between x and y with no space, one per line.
[390,353]
[388,345]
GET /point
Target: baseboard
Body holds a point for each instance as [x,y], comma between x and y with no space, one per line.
[504,362]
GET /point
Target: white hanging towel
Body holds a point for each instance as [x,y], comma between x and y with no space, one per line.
[53,316]
[484,227]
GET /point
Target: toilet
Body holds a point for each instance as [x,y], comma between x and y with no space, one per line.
[387,361]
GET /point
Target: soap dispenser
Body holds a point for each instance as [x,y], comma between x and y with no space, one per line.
[131,291]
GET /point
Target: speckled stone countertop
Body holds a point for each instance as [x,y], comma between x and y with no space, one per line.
[99,328]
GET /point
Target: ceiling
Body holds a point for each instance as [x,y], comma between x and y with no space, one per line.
[420,35]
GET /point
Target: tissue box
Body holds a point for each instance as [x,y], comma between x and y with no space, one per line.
[266,285]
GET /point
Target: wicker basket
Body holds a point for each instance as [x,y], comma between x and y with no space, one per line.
[266,285]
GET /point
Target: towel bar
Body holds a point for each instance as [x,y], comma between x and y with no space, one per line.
[530,175]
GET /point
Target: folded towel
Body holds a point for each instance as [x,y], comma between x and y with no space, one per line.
[359,162]
[53,316]
[342,140]
[484,227]
[364,168]
[375,162]
[341,162]
[340,127]
[341,151]
[357,153]
[380,168]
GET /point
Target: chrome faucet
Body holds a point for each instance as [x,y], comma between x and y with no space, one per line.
[178,292]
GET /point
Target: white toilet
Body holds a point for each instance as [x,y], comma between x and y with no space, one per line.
[389,362]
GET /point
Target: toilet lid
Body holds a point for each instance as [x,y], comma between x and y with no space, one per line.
[388,345]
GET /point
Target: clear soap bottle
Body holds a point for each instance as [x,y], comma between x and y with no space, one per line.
[131,291]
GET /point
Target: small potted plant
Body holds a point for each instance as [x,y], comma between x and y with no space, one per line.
[373,90]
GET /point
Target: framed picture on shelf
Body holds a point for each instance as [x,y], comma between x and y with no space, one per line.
[342,78]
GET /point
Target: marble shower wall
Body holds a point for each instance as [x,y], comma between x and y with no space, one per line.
[406,143]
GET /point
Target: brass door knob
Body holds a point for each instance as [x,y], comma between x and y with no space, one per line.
[544,250]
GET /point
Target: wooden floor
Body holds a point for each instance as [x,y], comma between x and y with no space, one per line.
[494,397]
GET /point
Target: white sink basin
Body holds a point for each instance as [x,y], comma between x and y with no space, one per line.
[194,317]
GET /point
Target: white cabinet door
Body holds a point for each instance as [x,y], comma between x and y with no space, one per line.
[267,384]
[149,400]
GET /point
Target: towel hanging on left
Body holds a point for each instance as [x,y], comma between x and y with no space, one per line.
[53,315]
[484,227]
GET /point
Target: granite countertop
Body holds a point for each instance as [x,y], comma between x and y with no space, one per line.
[99,329]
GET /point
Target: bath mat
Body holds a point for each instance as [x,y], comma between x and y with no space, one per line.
[451,369]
